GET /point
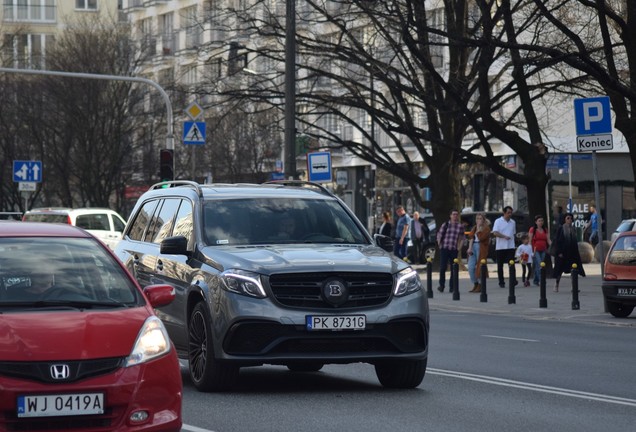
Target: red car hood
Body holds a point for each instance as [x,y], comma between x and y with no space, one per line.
[42,336]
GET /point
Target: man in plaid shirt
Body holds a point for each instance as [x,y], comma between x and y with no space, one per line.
[448,241]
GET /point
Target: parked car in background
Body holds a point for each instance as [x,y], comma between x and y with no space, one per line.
[625,225]
[105,224]
[522,220]
[619,275]
[80,346]
[280,273]
[11,216]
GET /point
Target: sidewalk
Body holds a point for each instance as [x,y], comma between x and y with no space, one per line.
[526,299]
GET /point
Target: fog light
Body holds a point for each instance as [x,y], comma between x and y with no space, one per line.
[139,416]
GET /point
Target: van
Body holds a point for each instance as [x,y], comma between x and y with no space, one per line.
[105,224]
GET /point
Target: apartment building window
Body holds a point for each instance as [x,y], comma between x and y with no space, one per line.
[148,41]
[189,75]
[86,5]
[27,51]
[436,46]
[166,28]
[190,24]
[29,10]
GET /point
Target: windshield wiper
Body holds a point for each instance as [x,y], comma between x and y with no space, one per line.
[66,304]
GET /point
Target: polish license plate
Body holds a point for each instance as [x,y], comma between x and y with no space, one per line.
[335,322]
[626,292]
[61,405]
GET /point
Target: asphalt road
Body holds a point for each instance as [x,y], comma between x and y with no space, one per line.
[487,372]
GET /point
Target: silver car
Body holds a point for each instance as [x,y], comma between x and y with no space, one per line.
[281,274]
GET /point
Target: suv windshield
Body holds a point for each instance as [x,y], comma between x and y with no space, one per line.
[279,220]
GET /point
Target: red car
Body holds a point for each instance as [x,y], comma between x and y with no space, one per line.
[80,346]
[619,275]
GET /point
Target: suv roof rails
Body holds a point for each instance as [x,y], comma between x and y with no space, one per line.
[175,183]
[301,183]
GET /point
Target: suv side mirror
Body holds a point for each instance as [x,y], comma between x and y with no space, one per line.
[384,242]
[174,246]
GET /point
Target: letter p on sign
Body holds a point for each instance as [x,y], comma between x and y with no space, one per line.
[593,116]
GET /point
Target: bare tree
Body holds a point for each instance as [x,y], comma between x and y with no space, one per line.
[81,129]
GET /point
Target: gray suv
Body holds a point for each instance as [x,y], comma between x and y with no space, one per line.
[278,273]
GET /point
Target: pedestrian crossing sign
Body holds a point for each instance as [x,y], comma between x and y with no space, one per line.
[194,133]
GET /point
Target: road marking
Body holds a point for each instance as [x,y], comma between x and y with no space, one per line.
[534,387]
[190,428]
[510,338]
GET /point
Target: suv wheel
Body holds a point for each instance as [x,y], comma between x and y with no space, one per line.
[619,310]
[206,372]
[401,373]
[429,252]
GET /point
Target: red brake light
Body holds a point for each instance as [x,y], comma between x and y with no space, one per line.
[68,220]
[610,277]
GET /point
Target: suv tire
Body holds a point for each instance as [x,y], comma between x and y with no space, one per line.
[206,372]
[401,374]
[619,310]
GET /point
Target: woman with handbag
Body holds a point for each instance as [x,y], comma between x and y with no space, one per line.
[540,241]
[478,250]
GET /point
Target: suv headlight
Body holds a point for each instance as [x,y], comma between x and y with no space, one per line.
[152,342]
[408,281]
[243,282]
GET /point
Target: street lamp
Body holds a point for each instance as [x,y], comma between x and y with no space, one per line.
[290,89]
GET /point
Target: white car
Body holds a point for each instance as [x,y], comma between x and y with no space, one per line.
[105,224]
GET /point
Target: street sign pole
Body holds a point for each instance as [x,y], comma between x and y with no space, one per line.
[593,122]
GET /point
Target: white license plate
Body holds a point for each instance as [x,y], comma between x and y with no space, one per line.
[336,322]
[626,292]
[61,405]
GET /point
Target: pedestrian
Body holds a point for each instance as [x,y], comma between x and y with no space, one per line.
[478,244]
[557,220]
[387,226]
[593,225]
[504,230]
[448,242]
[566,250]
[419,233]
[402,228]
[540,241]
[524,256]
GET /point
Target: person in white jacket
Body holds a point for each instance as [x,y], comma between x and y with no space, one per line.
[524,256]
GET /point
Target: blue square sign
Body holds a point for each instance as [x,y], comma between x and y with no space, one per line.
[319,166]
[593,116]
[27,171]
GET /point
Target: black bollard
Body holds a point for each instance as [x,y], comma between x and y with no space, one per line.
[483,297]
[455,278]
[575,287]
[429,277]
[543,301]
[511,283]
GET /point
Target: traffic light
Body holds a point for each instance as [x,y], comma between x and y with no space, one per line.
[166,164]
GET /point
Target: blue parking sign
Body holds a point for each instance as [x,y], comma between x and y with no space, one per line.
[593,116]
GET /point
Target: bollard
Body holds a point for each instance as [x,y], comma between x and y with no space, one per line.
[429,277]
[512,278]
[483,297]
[575,287]
[455,278]
[543,301]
